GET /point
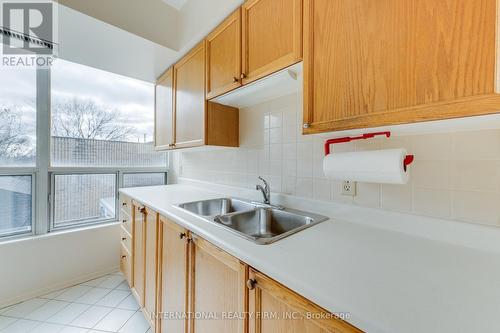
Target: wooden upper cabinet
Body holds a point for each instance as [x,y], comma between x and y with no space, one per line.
[164,111]
[374,63]
[173,276]
[272,36]
[224,56]
[217,286]
[290,310]
[190,104]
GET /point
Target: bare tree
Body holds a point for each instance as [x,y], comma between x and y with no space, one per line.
[85,119]
[14,142]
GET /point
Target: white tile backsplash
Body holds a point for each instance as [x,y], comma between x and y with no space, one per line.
[454,176]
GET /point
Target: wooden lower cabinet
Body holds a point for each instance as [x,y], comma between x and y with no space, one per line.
[217,290]
[126,264]
[138,254]
[151,265]
[172,277]
[275,308]
[185,284]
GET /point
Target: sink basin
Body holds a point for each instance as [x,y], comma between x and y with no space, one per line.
[257,222]
[267,225]
[216,207]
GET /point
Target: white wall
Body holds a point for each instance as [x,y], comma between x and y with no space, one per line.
[39,265]
[455,176]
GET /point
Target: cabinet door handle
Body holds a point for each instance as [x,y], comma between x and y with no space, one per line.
[243,76]
[235,79]
[251,284]
[182,235]
[142,210]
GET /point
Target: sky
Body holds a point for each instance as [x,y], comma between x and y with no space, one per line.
[133,99]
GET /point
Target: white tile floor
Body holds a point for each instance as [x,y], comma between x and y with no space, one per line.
[105,304]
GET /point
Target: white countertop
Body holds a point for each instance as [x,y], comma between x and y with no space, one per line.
[387,281]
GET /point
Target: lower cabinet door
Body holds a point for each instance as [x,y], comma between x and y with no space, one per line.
[151,266]
[173,278]
[138,252]
[126,264]
[218,293]
[275,308]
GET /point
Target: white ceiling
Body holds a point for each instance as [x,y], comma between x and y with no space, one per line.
[177,4]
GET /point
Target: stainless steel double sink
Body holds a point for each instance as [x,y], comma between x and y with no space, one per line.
[257,222]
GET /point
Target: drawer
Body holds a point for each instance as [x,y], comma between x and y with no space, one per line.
[126,265]
[126,221]
[126,204]
[126,239]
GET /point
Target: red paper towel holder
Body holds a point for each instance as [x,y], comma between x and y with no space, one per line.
[407,161]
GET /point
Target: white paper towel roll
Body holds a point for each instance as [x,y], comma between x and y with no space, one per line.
[375,166]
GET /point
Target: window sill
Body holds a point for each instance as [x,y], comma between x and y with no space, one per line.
[31,237]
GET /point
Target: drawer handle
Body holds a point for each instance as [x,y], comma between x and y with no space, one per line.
[182,235]
[124,204]
[124,238]
[251,284]
[124,257]
[124,221]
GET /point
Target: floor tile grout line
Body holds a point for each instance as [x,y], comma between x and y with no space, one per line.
[10,323]
[100,320]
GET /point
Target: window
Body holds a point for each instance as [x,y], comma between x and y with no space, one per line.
[102,128]
[83,199]
[100,119]
[98,135]
[15,205]
[17,150]
[144,179]
[17,117]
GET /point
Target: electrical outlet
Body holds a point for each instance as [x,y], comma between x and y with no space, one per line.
[349,188]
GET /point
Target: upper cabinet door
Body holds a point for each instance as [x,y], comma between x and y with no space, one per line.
[272,36]
[164,111]
[224,56]
[375,63]
[190,102]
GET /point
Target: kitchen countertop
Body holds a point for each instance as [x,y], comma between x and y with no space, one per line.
[386,281]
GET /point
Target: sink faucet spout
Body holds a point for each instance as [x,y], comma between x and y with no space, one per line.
[266,191]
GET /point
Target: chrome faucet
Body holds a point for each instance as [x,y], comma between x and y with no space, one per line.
[266,191]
